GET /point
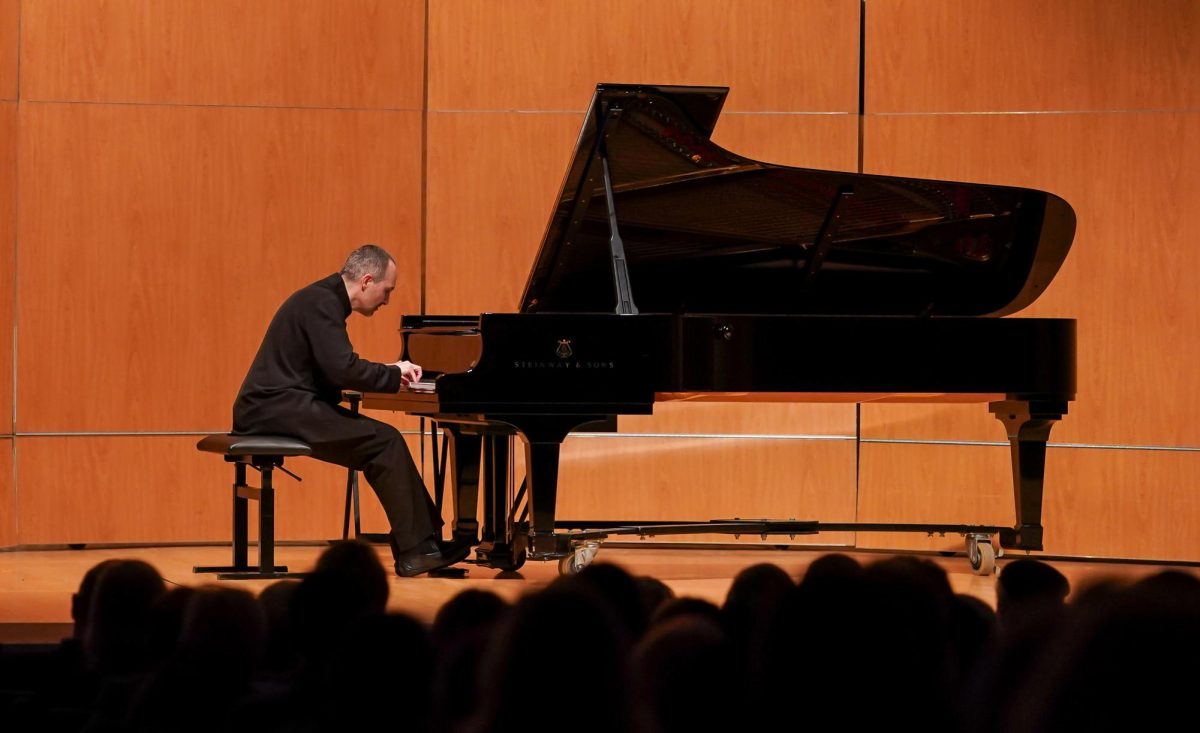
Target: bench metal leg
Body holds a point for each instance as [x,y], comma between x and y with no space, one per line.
[266,523]
[241,509]
[242,492]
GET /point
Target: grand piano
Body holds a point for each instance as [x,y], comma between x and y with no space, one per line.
[672,269]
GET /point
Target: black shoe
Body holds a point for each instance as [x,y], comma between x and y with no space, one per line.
[429,555]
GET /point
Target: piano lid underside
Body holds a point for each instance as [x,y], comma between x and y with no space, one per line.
[707,230]
[739,243]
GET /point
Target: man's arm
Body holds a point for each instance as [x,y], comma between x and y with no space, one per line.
[335,358]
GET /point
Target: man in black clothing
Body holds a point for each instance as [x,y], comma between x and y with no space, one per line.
[295,385]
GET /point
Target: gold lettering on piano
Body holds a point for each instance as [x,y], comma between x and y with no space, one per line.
[571,364]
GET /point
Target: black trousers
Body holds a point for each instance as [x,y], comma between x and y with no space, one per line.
[387,465]
[356,441]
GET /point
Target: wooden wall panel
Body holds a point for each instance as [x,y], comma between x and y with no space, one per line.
[1007,55]
[705,478]
[491,180]
[1130,278]
[828,141]
[8,495]
[8,211]
[951,484]
[1098,502]
[156,243]
[776,55]
[120,489]
[1124,503]
[621,478]
[10,39]
[161,489]
[941,422]
[317,53]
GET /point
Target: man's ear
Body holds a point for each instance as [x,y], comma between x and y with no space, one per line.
[366,280]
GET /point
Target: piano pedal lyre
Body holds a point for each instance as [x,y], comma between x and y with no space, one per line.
[982,553]
[581,555]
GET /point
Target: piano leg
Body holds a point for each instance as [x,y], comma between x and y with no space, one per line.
[543,437]
[1028,426]
[496,546]
[464,455]
[501,504]
[543,494]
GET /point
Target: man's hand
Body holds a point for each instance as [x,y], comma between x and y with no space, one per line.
[409,372]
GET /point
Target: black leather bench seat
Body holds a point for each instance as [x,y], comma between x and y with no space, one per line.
[253,445]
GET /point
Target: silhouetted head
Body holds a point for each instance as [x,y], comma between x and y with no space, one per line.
[687,678]
[833,571]
[81,600]
[567,621]
[119,614]
[972,624]
[1027,586]
[166,622]
[618,589]
[910,602]
[358,564]
[654,593]
[276,601]
[1183,586]
[469,612]
[687,606]
[461,631]
[753,599]
[347,584]
[224,632]
[220,645]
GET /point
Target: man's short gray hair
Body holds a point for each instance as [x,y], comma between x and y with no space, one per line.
[369,259]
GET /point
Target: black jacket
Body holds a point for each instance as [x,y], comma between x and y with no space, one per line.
[305,361]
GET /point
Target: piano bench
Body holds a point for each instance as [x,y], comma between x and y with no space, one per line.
[264,453]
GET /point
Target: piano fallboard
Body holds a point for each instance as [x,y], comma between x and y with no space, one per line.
[563,362]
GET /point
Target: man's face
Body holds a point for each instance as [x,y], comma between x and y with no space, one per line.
[374,294]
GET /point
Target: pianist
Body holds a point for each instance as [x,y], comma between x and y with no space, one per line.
[295,385]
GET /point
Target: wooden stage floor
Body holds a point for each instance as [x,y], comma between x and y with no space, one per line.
[36,584]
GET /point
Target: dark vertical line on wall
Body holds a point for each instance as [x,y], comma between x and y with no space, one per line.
[424,191]
[862,111]
[14,487]
[12,291]
[857,460]
[424,152]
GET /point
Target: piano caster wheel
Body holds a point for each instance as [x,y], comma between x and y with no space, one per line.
[580,557]
[982,554]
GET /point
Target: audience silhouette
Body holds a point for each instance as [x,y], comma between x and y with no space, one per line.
[849,646]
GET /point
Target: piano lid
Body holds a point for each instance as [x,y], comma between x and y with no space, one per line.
[708,231]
